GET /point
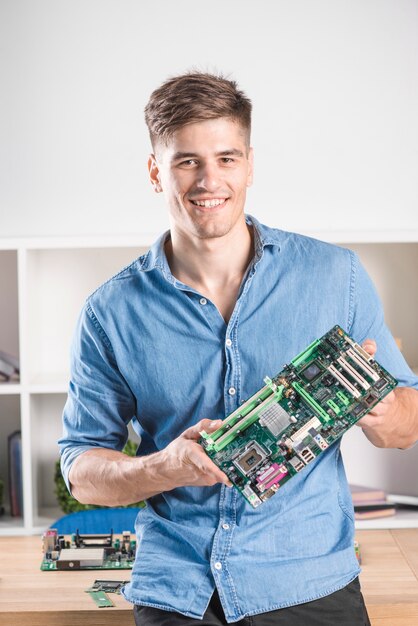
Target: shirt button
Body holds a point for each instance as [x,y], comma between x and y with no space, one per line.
[232,391]
[203,301]
[228,343]
[225,526]
[218,565]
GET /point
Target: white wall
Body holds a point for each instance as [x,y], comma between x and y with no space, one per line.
[333,82]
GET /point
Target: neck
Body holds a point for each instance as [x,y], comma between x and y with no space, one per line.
[211,264]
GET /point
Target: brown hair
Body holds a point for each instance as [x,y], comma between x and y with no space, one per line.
[195,97]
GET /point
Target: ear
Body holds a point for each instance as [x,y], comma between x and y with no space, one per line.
[250,167]
[154,173]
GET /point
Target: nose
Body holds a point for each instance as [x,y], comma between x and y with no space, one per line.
[208,177]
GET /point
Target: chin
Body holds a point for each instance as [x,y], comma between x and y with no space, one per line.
[214,228]
[211,231]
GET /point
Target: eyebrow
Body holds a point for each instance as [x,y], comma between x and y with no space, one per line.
[193,155]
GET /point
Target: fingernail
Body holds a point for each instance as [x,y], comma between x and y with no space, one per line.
[213,424]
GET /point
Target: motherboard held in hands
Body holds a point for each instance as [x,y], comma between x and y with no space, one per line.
[297,415]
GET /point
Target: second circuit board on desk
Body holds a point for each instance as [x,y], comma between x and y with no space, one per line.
[297,415]
[79,552]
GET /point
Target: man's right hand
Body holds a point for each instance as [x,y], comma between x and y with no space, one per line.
[185,462]
[111,478]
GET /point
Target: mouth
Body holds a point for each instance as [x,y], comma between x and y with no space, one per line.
[209,203]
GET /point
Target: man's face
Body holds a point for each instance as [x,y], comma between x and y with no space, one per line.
[204,172]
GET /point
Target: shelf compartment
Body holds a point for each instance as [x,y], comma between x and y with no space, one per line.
[9,423]
[9,313]
[58,282]
[46,429]
[393,269]
[45,518]
[393,470]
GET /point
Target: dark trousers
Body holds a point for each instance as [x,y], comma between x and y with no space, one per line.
[342,608]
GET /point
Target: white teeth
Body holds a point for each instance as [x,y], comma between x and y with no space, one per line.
[209,203]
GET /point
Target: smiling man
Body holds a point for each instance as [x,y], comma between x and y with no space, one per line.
[204,172]
[178,340]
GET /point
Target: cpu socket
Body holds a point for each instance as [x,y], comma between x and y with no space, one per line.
[250,458]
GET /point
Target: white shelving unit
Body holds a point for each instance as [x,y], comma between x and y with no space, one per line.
[44,283]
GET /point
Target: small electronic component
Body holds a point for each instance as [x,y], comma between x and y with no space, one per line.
[87,551]
[101,599]
[297,415]
[296,463]
[311,372]
[108,586]
[100,588]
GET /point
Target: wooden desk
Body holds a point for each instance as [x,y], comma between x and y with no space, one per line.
[389,578]
[29,597]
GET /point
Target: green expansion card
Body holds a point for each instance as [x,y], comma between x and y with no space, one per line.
[299,413]
[87,552]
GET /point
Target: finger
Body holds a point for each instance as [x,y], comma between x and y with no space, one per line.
[206,424]
[207,467]
[219,477]
[370,346]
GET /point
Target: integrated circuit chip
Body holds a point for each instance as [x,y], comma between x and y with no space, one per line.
[311,372]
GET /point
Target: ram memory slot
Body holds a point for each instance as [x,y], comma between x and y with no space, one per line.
[317,408]
[306,353]
[243,423]
[363,364]
[249,405]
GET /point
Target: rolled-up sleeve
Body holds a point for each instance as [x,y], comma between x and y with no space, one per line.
[100,403]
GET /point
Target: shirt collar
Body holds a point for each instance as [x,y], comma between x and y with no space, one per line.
[264,236]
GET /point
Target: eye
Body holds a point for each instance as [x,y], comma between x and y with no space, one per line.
[187,163]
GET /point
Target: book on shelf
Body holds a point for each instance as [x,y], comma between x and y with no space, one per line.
[361,494]
[403,502]
[374,510]
[15,474]
[9,367]
[371,502]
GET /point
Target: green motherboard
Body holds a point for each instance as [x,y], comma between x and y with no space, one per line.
[297,415]
[79,552]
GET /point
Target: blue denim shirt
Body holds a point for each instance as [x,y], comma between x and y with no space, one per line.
[150,349]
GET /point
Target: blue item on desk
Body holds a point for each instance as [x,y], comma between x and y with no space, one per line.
[97,521]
